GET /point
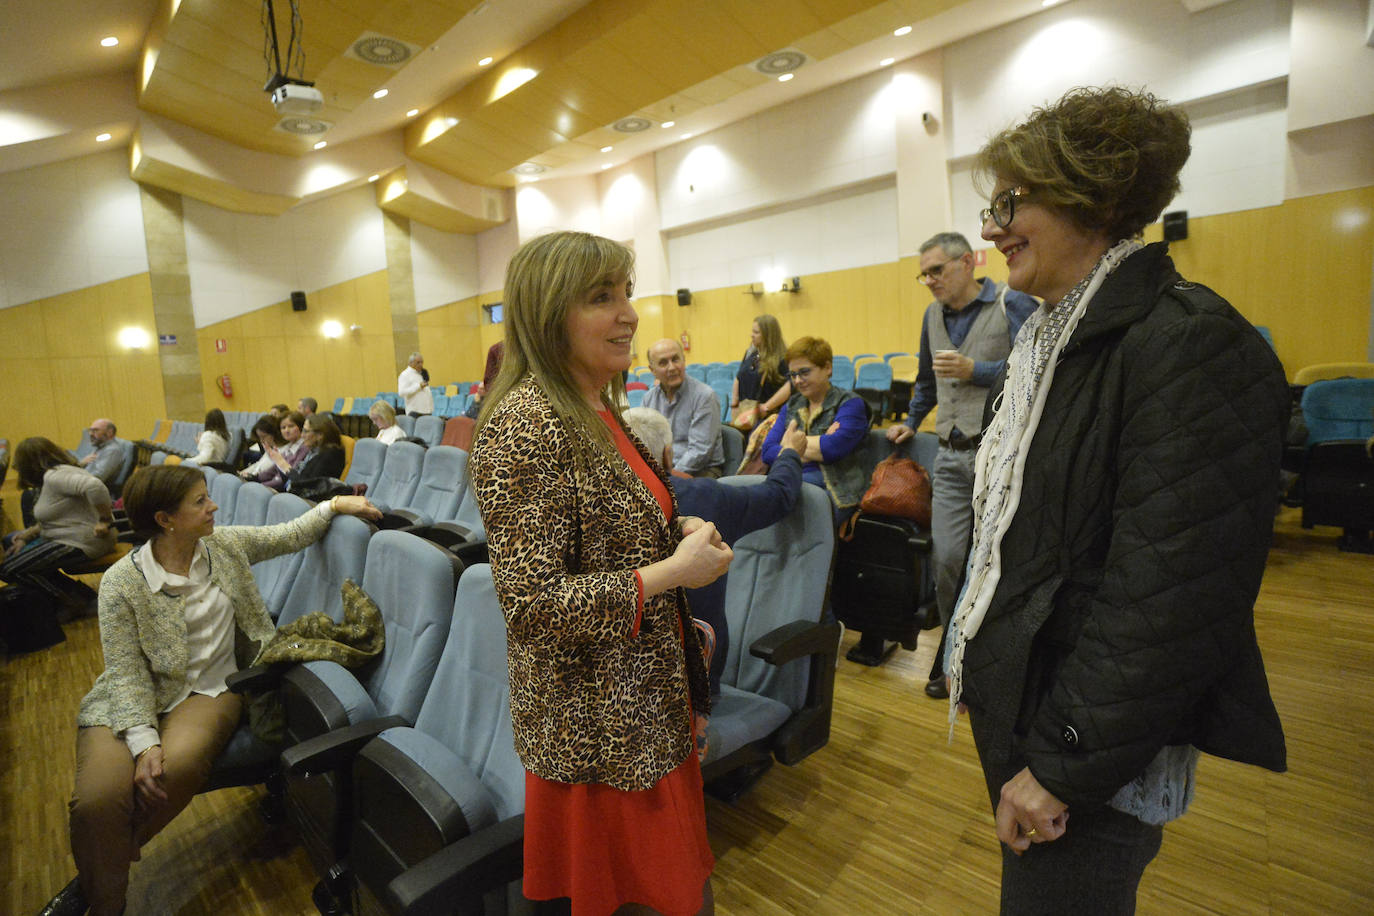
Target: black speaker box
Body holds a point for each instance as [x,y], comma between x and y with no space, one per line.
[684,296]
[1176,226]
[297,301]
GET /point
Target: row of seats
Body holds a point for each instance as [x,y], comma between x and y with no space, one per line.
[412,773]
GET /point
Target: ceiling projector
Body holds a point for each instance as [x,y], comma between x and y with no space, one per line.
[296,99]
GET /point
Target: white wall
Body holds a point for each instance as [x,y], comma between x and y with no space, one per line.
[838,231]
[839,136]
[993,79]
[494,249]
[1226,65]
[240,262]
[444,266]
[68,226]
[561,203]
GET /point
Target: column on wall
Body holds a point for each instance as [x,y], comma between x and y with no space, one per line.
[405,328]
[170,280]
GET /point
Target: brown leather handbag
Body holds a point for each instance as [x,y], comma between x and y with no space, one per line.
[899,488]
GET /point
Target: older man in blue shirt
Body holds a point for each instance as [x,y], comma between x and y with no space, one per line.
[692,409]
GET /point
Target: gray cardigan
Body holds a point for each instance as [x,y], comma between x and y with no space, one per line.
[69,507]
[143,634]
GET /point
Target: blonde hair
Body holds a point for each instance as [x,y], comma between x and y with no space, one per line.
[545,277]
[772,351]
[384,410]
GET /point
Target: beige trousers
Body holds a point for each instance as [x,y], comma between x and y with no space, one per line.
[108,824]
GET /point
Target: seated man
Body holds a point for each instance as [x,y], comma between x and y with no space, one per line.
[108,458]
[735,511]
[692,409]
[305,406]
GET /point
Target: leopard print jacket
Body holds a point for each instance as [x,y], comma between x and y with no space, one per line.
[592,700]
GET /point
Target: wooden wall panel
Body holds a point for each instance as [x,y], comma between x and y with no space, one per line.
[279,355]
[63,366]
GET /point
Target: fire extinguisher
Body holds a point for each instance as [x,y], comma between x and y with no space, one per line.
[686,342]
[226,386]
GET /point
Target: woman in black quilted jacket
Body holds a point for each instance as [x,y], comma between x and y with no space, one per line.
[1105,635]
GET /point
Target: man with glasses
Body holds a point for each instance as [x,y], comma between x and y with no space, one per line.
[692,409]
[108,459]
[965,338]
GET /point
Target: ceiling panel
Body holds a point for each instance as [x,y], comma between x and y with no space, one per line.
[660,59]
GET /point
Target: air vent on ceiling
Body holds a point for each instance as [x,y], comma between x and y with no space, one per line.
[382,50]
[306,127]
[779,62]
[632,125]
[529,168]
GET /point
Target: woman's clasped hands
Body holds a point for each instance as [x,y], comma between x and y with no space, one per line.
[702,557]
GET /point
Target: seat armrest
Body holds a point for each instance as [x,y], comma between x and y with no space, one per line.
[258,677]
[410,518]
[464,870]
[328,751]
[797,639]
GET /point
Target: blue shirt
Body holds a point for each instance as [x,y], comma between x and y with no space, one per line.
[957,325]
[694,416]
[852,416]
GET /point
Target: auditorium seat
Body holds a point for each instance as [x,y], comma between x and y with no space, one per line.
[777,687]
[400,476]
[732,440]
[439,491]
[883,585]
[412,582]
[429,429]
[341,554]
[438,820]
[1341,408]
[368,457]
[274,575]
[224,493]
[874,384]
[251,506]
[406,422]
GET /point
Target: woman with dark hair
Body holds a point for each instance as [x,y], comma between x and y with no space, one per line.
[300,447]
[266,430]
[761,384]
[213,445]
[590,558]
[177,616]
[835,421]
[1123,509]
[73,522]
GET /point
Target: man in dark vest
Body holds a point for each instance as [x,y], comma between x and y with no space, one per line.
[965,338]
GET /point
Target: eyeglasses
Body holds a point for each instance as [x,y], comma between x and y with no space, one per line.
[1003,209]
[932,274]
[800,374]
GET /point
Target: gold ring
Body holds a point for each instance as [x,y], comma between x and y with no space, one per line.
[1030,832]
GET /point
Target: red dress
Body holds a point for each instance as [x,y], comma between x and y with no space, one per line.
[605,847]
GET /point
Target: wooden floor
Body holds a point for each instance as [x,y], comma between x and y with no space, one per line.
[888,818]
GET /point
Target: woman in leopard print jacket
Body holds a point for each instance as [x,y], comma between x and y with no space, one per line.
[590,558]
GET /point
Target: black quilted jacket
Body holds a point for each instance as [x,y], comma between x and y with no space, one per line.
[1124,617]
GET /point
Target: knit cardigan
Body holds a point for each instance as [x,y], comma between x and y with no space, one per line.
[143,633]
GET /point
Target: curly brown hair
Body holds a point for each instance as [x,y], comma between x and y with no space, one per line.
[1108,157]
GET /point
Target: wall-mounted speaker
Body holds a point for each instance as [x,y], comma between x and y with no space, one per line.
[1176,225]
[684,296]
[297,301]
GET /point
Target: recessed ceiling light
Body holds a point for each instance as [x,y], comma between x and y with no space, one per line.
[687,136]
[1048,2]
[373,177]
[785,77]
[101,138]
[412,113]
[322,144]
[607,149]
[667,124]
[109,41]
[904,30]
[380,93]
[451,122]
[605,165]
[886,61]
[484,61]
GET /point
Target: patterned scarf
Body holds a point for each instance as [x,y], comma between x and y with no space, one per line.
[1002,453]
